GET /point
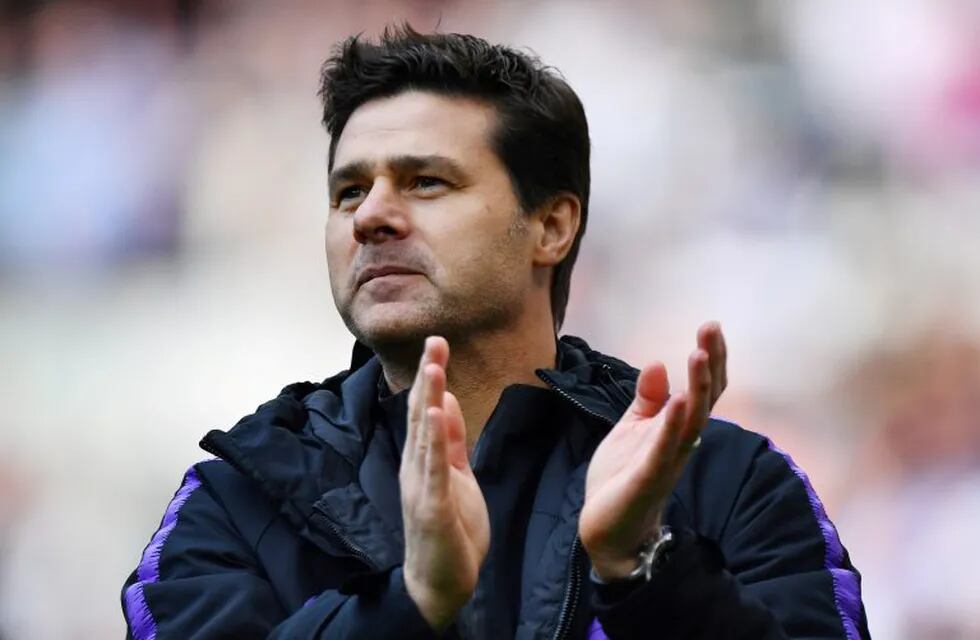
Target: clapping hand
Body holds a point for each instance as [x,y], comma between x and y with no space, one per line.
[637,464]
[447,528]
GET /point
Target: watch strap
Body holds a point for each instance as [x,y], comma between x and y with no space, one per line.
[652,555]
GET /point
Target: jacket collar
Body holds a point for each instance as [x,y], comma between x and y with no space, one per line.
[602,385]
[311,438]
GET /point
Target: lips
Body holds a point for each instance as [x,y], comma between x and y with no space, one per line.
[383,270]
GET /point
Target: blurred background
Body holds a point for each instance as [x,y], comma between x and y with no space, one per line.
[807,173]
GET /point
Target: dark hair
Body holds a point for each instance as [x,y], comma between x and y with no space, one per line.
[542,136]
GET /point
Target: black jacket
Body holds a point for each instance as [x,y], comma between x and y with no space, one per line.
[288,534]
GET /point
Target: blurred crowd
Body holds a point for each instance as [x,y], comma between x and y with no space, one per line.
[806,173]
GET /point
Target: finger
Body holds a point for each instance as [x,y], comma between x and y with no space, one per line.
[711,339]
[680,445]
[435,357]
[706,334]
[436,484]
[416,406]
[662,444]
[719,374]
[434,385]
[455,431]
[689,440]
[652,391]
[699,387]
[435,350]
[675,417]
[688,430]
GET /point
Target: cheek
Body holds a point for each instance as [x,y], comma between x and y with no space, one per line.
[339,245]
[336,234]
[487,251]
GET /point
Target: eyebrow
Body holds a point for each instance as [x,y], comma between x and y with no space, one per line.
[358,169]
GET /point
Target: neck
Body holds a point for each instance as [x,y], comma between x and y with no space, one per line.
[481,366]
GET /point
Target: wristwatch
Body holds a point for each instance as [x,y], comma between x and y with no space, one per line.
[652,555]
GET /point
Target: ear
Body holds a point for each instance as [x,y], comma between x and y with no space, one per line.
[559,220]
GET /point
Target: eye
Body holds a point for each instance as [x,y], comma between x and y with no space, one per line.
[428,183]
[349,193]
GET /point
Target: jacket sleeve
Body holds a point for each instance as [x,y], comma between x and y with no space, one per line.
[199,579]
[778,571]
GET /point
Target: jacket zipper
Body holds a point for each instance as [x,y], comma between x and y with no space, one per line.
[571,592]
[352,547]
[574,585]
[616,388]
[578,405]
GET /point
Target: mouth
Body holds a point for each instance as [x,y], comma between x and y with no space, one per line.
[372,273]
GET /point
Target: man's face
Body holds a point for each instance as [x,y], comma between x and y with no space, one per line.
[424,234]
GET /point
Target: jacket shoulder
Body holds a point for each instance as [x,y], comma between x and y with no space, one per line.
[240,499]
[710,484]
[198,575]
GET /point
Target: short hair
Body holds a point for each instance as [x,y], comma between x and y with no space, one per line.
[541,137]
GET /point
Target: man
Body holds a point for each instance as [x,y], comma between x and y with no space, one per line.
[521,486]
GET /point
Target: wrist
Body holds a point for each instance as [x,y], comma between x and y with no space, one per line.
[614,569]
[636,566]
[437,609]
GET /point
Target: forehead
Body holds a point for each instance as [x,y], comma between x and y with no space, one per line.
[417,123]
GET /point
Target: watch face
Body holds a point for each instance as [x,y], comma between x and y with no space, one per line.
[661,549]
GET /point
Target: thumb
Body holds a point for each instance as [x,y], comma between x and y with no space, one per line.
[652,391]
[456,431]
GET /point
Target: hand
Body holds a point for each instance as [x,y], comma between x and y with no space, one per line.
[447,528]
[635,467]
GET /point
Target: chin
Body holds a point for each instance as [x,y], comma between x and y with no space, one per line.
[392,324]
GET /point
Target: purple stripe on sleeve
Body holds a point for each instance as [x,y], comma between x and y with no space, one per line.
[137,611]
[596,632]
[847,591]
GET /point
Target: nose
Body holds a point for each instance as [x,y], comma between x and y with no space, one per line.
[381,216]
